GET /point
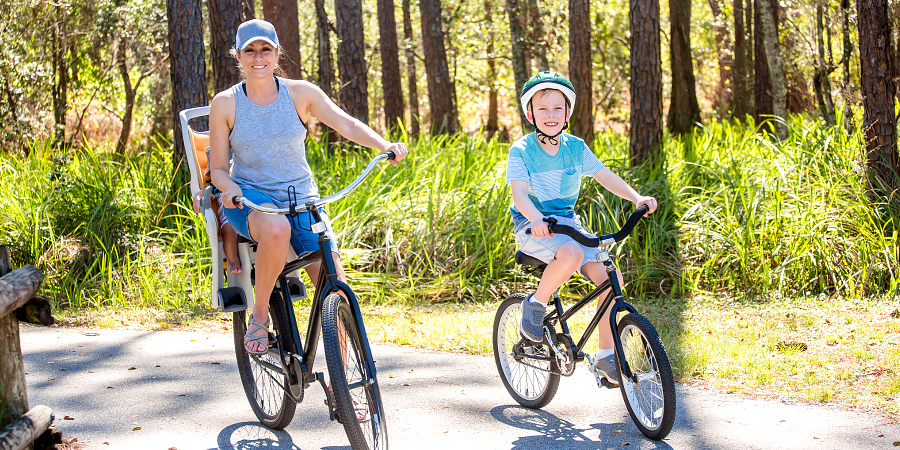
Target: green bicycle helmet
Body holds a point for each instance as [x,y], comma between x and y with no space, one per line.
[547,80]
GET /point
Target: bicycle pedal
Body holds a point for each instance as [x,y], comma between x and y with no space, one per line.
[608,384]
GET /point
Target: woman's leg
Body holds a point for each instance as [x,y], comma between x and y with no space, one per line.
[272,234]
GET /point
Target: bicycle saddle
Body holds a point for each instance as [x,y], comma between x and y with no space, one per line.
[527,260]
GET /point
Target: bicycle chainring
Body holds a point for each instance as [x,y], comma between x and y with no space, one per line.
[566,344]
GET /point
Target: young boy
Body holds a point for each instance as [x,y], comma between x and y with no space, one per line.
[544,172]
[229,235]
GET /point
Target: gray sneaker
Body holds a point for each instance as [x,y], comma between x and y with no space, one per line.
[532,324]
[606,367]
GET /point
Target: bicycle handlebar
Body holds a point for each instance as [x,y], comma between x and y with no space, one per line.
[602,240]
[321,202]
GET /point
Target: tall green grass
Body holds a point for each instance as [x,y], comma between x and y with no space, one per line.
[740,214]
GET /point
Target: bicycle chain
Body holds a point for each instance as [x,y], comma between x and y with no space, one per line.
[548,352]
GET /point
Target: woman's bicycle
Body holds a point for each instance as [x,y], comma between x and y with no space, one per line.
[275,381]
[531,371]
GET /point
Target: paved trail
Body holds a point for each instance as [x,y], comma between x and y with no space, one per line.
[158,390]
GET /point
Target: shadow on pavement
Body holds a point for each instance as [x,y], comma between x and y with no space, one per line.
[252,435]
[558,433]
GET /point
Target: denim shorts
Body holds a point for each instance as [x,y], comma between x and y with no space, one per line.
[303,240]
[545,248]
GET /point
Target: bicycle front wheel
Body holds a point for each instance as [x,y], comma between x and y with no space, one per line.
[529,371]
[263,376]
[650,400]
[357,399]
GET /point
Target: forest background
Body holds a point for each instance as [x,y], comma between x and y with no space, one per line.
[767,129]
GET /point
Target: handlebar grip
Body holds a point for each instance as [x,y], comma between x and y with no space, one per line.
[631,223]
[237,200]
[391,156]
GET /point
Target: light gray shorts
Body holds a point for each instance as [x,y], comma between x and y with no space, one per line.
[545,249]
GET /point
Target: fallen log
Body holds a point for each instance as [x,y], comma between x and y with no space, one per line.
[22,432]
[17,287]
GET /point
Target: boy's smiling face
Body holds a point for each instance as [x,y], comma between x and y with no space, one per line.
[549,108]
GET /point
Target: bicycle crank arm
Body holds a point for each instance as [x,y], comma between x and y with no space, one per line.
[559,353]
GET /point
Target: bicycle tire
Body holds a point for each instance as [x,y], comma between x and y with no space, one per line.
[265,388]
[532,385]
[346,368]
[651,401]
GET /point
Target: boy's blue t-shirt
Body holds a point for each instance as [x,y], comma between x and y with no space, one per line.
[553,181]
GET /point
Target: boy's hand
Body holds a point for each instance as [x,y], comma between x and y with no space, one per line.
[649,201]
[540,229]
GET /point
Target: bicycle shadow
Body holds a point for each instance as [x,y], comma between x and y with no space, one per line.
[253,436]
[556,433]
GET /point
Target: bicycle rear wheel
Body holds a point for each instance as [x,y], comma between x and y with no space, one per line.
[356,395]
[263,376]
[651,400]
[531,382]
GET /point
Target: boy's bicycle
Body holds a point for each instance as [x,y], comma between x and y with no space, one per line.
[531,371]
[274,382]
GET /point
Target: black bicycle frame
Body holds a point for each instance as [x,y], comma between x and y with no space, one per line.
[327,283]
[615,294]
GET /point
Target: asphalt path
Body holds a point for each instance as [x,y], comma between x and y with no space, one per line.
[118,389]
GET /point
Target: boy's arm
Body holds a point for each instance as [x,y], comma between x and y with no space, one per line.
[519,190]
[615,184]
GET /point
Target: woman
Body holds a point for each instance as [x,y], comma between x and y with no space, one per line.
[261,122]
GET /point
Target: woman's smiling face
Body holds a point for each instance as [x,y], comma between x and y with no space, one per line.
[549,109]
[258,59]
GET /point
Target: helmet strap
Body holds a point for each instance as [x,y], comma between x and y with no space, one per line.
[545,138]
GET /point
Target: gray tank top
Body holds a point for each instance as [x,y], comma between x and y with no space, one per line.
[267,144]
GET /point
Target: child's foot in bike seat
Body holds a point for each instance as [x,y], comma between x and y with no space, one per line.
[532,323]
[606,368]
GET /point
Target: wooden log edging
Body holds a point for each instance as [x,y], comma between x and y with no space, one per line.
[17,287]
[21,433]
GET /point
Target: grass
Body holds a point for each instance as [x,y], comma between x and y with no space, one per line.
[767,267]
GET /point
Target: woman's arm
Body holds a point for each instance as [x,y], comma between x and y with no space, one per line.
[221,108]
[313,100]
[615,184]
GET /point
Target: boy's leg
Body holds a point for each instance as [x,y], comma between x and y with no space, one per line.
[568,257]
[230,244]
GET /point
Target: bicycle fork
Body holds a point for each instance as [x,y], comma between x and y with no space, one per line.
[618,305]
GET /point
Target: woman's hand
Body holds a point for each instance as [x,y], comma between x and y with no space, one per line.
[227,197]
[649,201]
[399,150]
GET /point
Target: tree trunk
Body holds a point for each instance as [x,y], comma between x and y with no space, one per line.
[516,11]
[187,65]
[751,72]
[582,121]
[60,75]
[538,39]
[762,85]
[410,45]
[740,106]
[768,22]
[224,18]
[726,62]
[876,59]
[684,111]
[284,16]
[248,10]
[390,65]
[13,395]
[441,93]
[492,124]
[821,82]
[845,64]
[122,65]
[325,74]
[646,83]
[351,55]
